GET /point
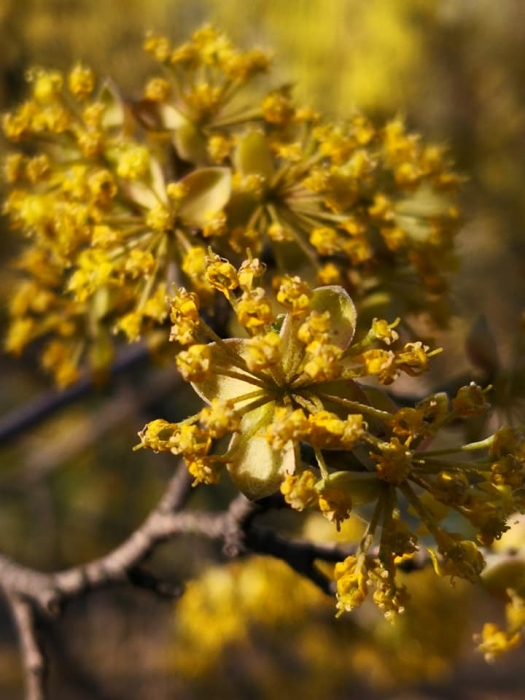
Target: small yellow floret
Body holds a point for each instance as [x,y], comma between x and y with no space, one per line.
[295,294]
[299,490]
[81,81]
[263,351]
[351,584]
[219,418]
[133,163]
[221,275]
[195,363]
[254,310]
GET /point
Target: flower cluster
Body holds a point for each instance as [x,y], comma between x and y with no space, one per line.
[158,212]
[119,200]
[292,397]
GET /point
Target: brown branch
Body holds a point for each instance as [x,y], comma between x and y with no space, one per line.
[49,591]
[31,650]
[300,555]
[30,592]
[18,421]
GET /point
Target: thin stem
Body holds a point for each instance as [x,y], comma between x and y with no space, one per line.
[357,407]
[33,657]
[470,447]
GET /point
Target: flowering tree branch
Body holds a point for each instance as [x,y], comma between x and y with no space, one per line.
[30,593]
[254,239]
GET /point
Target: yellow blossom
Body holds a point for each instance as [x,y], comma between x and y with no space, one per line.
[325,240]
[335,505]
[133,163]
[81,81]
[315,327]
[494,641]
[159,218]
[329,274]
[460,557]
[299,490]
[295,294]
[287,426]
[195,363]
[221,275]
[249,271]
[470,401]
[321,361]
[254,310]
[263,351]
[277,107]
[206,470]
[380,364]
[414,358]
[46,85]
[219,418]
[385,331]
[394,464]
[351,580]
[157,90]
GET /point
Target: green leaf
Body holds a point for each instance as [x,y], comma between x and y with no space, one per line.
[254,156]
[209,190]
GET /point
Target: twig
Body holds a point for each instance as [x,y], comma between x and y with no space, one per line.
[142,578]
[18,421]
[31,592]
[123,406]
[31,650]
[300,555]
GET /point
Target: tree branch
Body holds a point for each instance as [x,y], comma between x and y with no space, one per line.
[30,592]
[39,409]
[33,658]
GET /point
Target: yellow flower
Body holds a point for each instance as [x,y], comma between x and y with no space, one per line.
[195,363]
[470,401]
[263,381]
[81,81]
[494,641]
[299,490]
[133,162]
[351,578]
[335,505]
[394,464]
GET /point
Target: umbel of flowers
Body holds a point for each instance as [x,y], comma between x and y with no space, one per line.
[178,194]
[291,400]
[120,199]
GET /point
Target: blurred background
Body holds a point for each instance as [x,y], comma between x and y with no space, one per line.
[71,488]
